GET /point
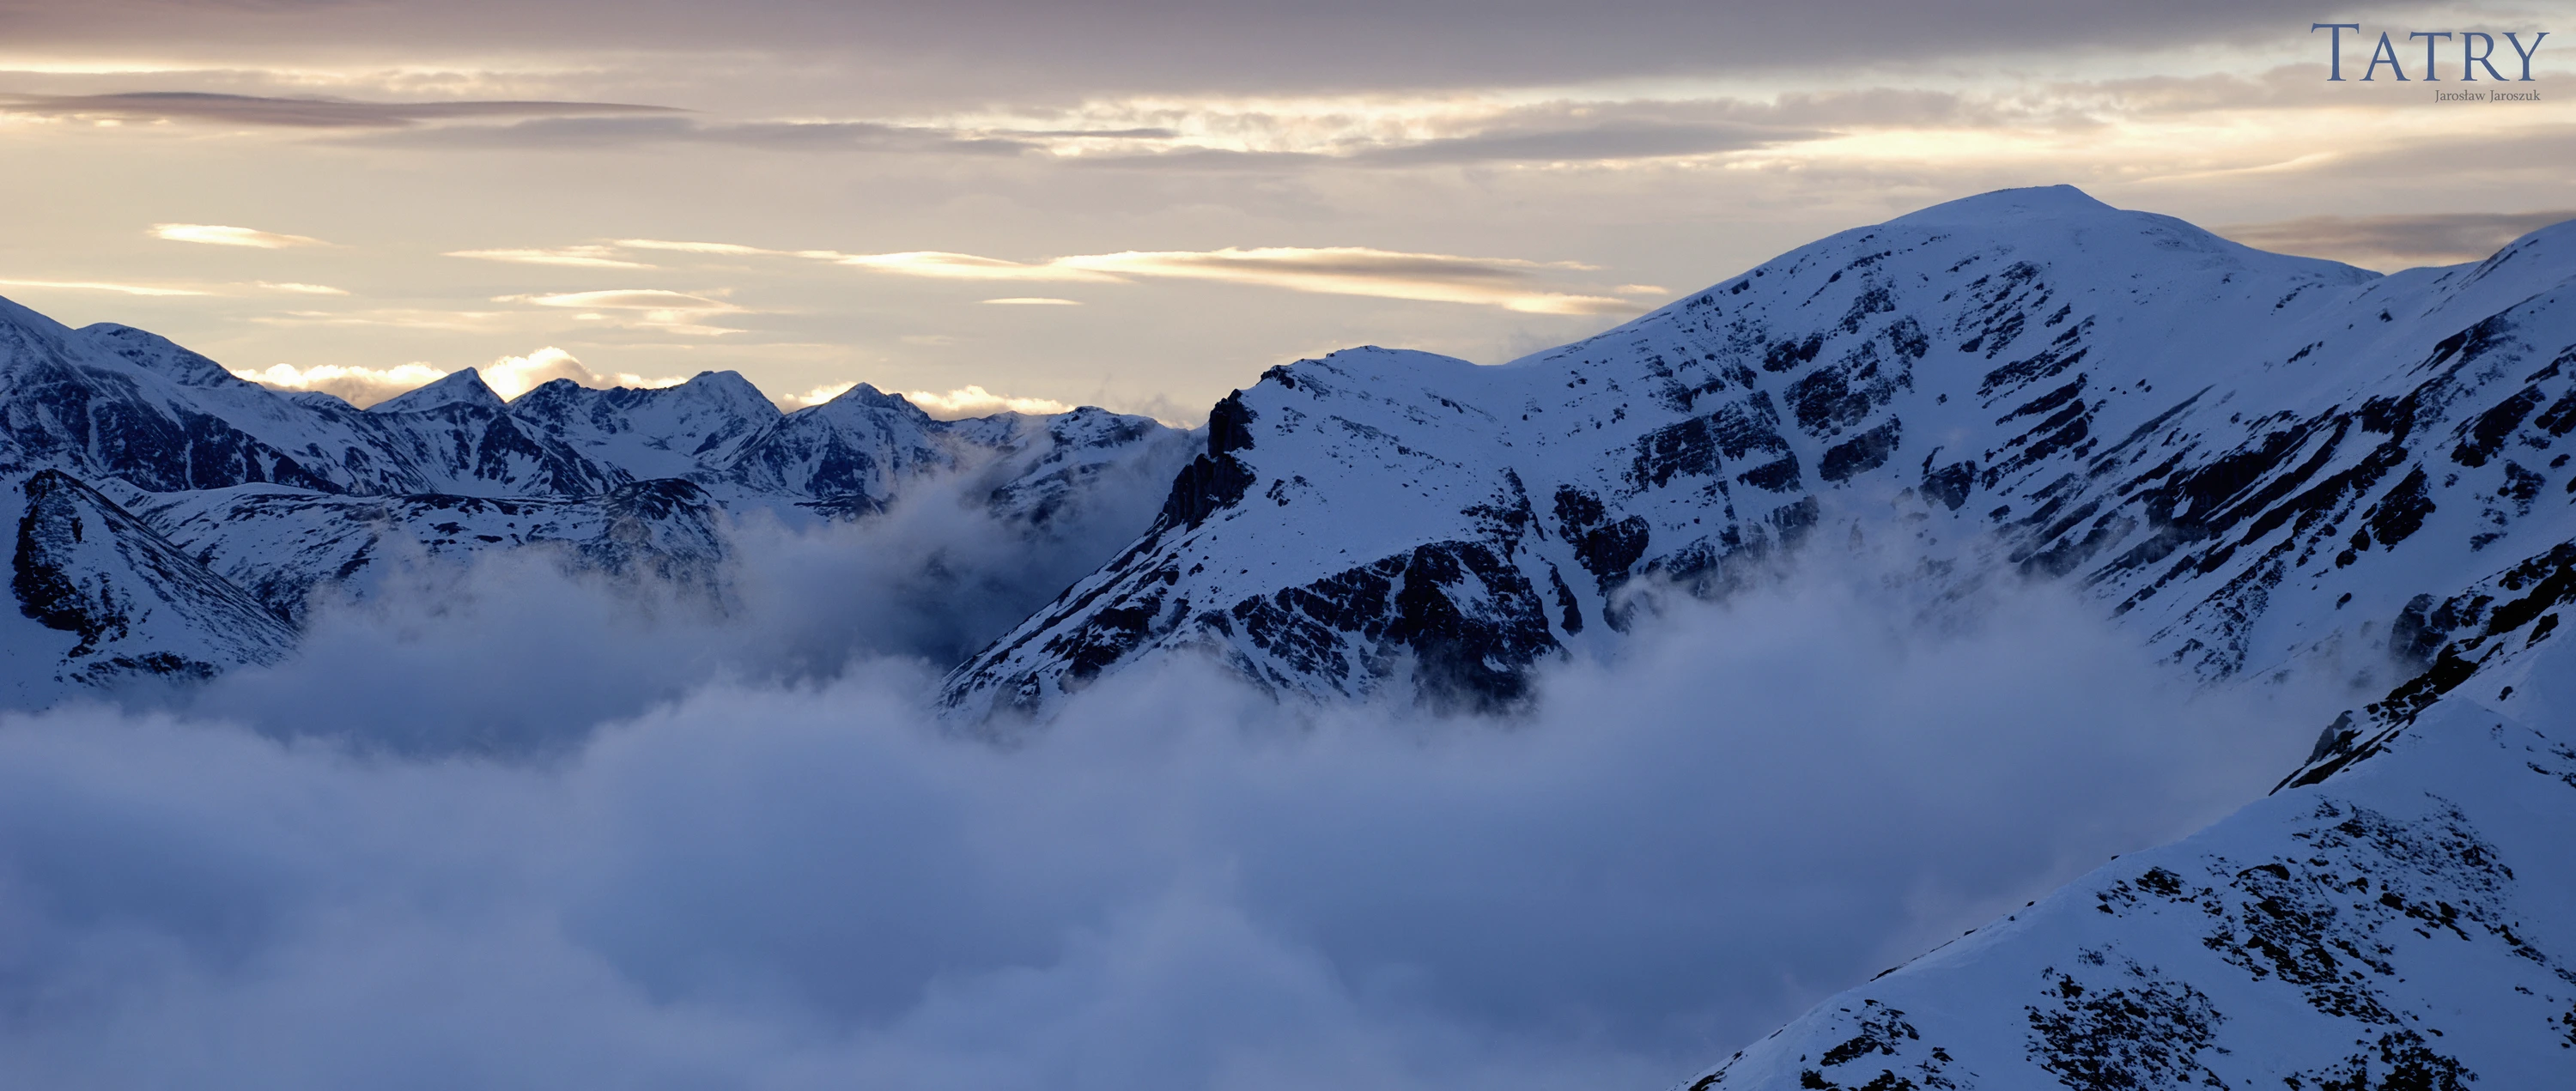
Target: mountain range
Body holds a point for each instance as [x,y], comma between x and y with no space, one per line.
[174,521]
[2258,463]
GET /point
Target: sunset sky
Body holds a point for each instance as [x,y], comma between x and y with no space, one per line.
[1142,205]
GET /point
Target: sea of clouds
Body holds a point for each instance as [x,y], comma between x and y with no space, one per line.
[511,825]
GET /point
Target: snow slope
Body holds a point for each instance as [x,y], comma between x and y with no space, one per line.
[2250,457]
[129,604]
[282,545]
[2401,925]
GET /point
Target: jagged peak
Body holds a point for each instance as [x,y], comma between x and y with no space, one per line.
[725,387]
[729,388]
[458,387]
[865,396]
[727,381]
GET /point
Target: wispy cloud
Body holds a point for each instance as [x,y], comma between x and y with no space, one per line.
[726,249]
[563,133]
[585,257]
[100,286]
[2397,240]
[1589,143]
[219,235]
[297,113]
[1510,283]
[944,265]
[626,299]
[391,318]
[302,289]
[1434,130]
[651,308]
[1035,301]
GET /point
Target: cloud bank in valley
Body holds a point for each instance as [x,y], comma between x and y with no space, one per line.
[537,825]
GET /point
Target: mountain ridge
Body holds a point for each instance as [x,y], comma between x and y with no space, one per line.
[266,498]
[1945,374]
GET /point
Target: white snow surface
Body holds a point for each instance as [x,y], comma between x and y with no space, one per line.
[2218,443]
[217,495]
[2404,924]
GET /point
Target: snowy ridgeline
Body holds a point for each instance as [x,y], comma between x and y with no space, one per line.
[2251,459]
[174,522]
[2255,462]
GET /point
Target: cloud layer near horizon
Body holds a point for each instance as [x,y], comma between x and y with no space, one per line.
[1418,174]
[509,377]
[2389,242]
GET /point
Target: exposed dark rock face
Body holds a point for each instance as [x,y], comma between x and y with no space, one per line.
[1216,480]
[2208,438]
[136,604]
[2145,1031]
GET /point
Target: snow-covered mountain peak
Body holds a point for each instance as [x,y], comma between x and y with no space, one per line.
[726,388]
[2025,202]
[678,431]
[219,492]
[2033,381]
[2066,220]
[461,387]
[865,396]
